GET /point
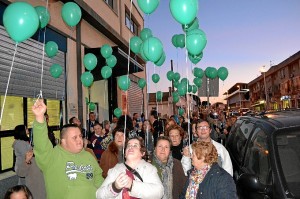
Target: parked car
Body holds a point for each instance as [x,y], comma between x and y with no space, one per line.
[265,153]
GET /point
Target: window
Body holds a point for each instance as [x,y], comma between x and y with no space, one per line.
[12,113]
[131,24]
[240,139]
[257,157]
[110,3]
[17,111]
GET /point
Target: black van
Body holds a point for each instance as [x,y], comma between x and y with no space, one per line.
[265,153]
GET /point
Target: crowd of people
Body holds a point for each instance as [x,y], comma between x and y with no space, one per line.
[131,157]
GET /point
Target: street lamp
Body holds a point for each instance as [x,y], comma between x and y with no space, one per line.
[240,97]
[263,70]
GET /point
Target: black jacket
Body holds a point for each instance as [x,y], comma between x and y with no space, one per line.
[217,184]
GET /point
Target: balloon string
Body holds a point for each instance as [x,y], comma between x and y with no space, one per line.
[128,63]
[187,95]
[11,67]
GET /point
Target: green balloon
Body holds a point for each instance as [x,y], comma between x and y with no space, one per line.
[182,89]
[193,25]
[194,89]
[184,11]
[195,58]
[92,106]
[155,78]
[87,79]
[118,112]
[208,72]
[106,72]
[176,76]
[135,44]
[56,70]
[106,51]
[180,40]
[175,96]
[71,13]
[184,81]
[142,83]
[153,49]
[174,40]
[90,61]
[124,82]
[20,21]
[195,41]
[146,33]
[161,60]
[44,16]
[175,83]
[198,72]
[170,75]
[198,82]
[111,61]
[148,6]
[143,54]
[180,111]
[213,73]
[175,99]
[159,96]
[190,88]
[51,49]
[222,73]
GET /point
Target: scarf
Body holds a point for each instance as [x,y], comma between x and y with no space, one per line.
[165,174]
[196,177]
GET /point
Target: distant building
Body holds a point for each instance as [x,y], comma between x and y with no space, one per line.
[282,83]
[237,98]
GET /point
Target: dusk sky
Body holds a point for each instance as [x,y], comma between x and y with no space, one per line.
[241,36]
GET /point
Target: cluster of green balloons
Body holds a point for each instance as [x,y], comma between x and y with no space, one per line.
[148,6]
[193,25]
[213,73]
[71,13]
[149,47]
[117,112]
[111,61]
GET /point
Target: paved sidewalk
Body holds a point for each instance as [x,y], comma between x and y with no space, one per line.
[7,180]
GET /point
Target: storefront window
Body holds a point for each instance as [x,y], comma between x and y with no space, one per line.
[13,112]
[6,152]
[53,108]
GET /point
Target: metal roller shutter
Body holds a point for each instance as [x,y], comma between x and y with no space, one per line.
[135,96]
[26,73]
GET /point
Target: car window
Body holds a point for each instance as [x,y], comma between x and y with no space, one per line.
[288,144]
[257,156]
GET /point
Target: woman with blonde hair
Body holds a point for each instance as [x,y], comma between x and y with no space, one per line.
[207,179]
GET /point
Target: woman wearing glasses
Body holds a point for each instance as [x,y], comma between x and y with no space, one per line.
[135,178]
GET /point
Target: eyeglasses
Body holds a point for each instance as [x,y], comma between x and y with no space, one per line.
[134,146]
[203,128]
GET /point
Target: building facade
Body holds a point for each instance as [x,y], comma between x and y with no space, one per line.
[279,87]
[237,98]
[102,22]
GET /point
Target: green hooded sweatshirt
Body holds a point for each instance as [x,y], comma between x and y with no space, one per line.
[67,175]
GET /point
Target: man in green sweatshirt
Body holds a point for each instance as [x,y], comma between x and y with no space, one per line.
[69,171]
